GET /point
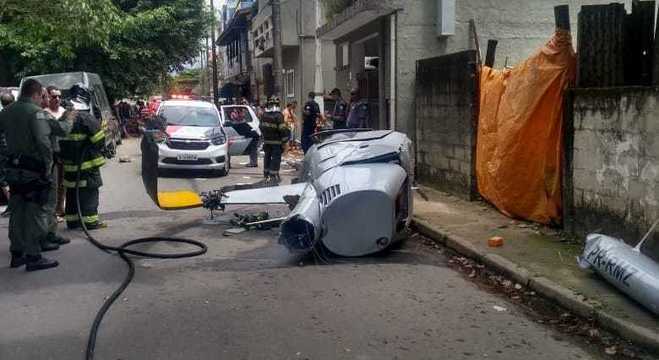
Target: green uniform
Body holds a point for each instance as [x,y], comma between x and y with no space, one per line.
[27,130]
[87,133]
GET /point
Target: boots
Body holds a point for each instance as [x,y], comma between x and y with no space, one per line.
[17,259]
[37,262]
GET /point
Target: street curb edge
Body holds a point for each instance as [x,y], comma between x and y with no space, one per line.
[565,297]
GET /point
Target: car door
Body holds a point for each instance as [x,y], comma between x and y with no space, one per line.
[237,143]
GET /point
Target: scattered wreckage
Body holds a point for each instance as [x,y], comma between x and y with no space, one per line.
[354,194]
[626,267]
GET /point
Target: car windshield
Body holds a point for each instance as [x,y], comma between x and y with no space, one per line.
[236,114]
[190,116]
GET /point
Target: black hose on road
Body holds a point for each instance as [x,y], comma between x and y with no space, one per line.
[123,251]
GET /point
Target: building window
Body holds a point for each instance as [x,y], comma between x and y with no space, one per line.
[345,53]
[289,83]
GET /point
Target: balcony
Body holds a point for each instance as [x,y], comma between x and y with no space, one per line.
[262,29]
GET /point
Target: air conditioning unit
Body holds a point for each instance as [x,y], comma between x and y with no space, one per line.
[371,63]
[445,17]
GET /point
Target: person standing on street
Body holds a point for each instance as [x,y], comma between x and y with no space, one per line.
[30,156]
[358,115]
[275,135]
[60,126]
[310,116]
[291,121]
[339,113]
[57,111]
[88,137]
[6,99]
[245,130]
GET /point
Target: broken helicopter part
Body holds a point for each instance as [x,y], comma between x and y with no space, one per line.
[354,194]
[626,267]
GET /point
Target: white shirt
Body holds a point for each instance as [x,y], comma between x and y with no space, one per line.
[56,114]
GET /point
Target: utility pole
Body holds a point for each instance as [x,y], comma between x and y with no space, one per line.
[216,95]
[276,41]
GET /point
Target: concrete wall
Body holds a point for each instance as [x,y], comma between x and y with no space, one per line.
[615,162]
[446,106]
[520,26]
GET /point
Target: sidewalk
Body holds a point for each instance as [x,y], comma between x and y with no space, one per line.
[534,256]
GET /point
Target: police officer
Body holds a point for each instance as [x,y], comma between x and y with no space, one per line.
[339,113]
[310,115]
[30,159]
[87,136]
[275,135]
[358,116]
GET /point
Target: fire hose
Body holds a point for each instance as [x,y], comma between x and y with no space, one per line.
[123,251]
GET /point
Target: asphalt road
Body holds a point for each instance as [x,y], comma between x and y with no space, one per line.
[247,298]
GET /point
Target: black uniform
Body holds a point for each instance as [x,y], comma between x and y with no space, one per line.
[275,135]
[310,114]
[87,133]
[339,114]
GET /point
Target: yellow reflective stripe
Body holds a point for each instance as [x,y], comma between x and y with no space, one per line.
[97,137]
[72,184]
[272,142]
[92,219]
[270,125]
[76,137]
[94,163]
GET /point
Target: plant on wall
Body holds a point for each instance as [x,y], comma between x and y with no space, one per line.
[333,7]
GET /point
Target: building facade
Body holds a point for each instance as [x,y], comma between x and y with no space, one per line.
[378,43]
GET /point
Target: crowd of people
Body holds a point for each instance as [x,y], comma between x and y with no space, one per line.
[280,127]
[51,151]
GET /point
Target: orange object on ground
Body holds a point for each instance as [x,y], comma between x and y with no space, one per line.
[495,241]
[519,146]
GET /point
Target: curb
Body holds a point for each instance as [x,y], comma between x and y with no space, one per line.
[541,285]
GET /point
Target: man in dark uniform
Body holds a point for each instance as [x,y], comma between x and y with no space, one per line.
[30,160]
[88,134]
[309,117]
[245,130]
[339,113]
[358,116]
[275,135]
[6,99]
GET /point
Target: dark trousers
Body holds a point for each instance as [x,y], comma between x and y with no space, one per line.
[272,159]
[306,141]
[253,151]
[88,205]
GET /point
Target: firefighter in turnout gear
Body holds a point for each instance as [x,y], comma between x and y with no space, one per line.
[275,135]
[29,175]
[87,136]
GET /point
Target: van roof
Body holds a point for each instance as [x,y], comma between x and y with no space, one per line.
[65,80]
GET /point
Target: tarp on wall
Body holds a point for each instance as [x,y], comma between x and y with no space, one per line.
[519,144]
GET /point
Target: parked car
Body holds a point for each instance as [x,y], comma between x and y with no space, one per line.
[98,102]
[238,143]
[195,139]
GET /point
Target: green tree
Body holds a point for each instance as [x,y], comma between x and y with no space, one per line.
[132,44]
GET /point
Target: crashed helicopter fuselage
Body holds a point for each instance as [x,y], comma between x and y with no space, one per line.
[354,194]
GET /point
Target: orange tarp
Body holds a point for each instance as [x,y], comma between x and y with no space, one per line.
[520,143]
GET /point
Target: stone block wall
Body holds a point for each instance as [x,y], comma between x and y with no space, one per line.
[446,100]
[613,162]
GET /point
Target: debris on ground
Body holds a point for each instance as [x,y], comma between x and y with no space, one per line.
[499,308]
[125,160]
[255,221]
[540,309]
[234,231]
[495,241]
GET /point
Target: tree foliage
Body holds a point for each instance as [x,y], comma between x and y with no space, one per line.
[132,44]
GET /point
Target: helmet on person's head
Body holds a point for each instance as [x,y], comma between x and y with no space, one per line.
[273,104]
